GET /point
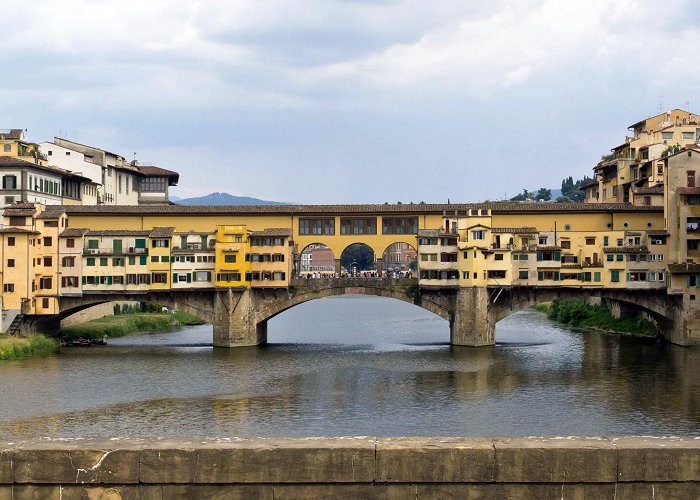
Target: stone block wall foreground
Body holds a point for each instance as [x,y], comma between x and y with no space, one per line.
[354,467]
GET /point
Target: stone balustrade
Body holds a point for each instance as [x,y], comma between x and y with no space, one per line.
[354,467]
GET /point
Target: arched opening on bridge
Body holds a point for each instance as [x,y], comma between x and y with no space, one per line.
[317,260]
[359,320]
[358,259]
[400,259]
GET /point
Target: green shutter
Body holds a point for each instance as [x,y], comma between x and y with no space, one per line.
[596,277]
[539,256]
[540,275]
[143,260]
[109,280]
[556,276]
[174,277]
[84,280]
[208,275]
[627,276]
[557,255]
[189,277]
[605,241]
[140,243]
[580,276]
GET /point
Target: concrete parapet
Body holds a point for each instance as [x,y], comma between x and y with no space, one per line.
[354,467]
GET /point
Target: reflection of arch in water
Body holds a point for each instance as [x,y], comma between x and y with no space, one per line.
[399,256]
[316,258]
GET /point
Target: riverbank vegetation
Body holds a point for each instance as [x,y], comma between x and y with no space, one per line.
[22,347]
[130,322]
[597,317]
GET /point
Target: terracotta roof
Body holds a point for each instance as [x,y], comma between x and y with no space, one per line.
[11,230]
[162,232]
[415,208]
[684,268]
[635,249]
[273,231]
[51,214]
[514,230]
[649,190]
[73,233]
[117,232]
[159,172]
[548,249]
[688,190]
[19,212]
[588,184]
[13,133]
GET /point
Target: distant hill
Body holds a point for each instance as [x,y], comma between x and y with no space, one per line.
[224,199]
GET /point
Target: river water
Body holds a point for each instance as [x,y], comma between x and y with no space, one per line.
[357,366]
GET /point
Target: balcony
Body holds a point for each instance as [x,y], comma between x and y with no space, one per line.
[112,251]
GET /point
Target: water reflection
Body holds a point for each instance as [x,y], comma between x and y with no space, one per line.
[357,366]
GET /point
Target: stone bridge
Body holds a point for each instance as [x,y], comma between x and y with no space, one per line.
[240,316]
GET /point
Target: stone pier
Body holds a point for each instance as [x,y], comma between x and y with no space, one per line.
[235,324]
[471,324]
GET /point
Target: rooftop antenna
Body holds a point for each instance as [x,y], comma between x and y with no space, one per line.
[661,104]
[134,155]
[687,105]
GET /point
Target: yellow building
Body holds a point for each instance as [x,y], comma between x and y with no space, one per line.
[232,246]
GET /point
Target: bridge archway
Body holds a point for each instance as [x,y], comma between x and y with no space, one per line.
[317,258]
[504,302]
[358,257]
[400,257]
[401,290]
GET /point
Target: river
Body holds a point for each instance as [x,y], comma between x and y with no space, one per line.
[357,366]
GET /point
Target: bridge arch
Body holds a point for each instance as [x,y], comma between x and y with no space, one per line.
[372,287]
[316,257]
[653,302]
[364,254]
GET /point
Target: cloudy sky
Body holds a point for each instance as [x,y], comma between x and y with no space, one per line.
[349,101]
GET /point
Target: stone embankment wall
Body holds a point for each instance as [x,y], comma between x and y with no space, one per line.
[395,468]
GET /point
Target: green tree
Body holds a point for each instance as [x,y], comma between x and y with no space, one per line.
[543,194]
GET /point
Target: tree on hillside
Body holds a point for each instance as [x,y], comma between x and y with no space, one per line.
[543,194]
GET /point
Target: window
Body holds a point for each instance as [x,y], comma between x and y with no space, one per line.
[542,240]
[10,262]
[590,241]
[7,148]
[70,243]
[68,262]
[523,275]
[498,256]
[51,223]
[667,136]
[118,261]
[605,241]
[688,136]
[69,281]
[399,225]
[610,257]
[45,303]
[615,276]
[620,257]
[231,258]
[164,258]
[18,221]
[48,261]
[9,182]
[479,234]
[10,241]
[160,278]
[228,277]
[565,244]
[154,258]
[496,275]
[160,243]
[8,288]
[278,257]
[202,276]
[358,226]
[317,226]
[691,178]
[90,261]
[692,224]
[45,283]
[153,184]
[620,242]
[47,241]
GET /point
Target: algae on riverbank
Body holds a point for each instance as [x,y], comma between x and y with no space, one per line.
[22,347]
[578,313]
[124,324]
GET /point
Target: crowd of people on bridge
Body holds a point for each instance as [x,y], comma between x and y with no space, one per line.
[357,274]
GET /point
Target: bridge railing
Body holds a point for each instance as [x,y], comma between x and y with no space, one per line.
[352,282]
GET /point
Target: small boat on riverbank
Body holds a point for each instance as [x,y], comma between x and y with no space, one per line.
[83,342]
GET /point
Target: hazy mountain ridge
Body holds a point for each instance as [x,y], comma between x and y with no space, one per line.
[224,199]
